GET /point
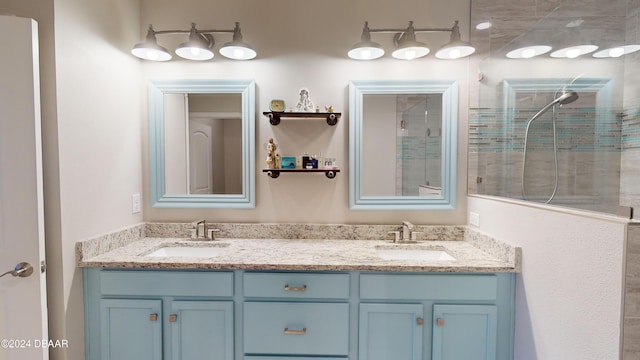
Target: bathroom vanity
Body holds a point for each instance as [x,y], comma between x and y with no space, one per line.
[268,299]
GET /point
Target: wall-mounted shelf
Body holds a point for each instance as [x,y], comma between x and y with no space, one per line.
[274,173]
[275,116]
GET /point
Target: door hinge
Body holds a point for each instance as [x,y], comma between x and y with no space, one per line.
[43,266]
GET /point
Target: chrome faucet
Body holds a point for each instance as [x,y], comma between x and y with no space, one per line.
[407,227]
[405,234]
[200,231]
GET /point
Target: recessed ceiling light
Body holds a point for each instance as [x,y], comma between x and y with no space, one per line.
[574,23]
[484,25]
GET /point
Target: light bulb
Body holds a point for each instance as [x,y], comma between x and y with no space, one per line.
[455,53]
[573,53]
[410,54]
[528,53]
[152,55]
[238,53]
[616,52]
[365,54]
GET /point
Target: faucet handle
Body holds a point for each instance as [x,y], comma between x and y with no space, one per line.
[396,237]
[211,233]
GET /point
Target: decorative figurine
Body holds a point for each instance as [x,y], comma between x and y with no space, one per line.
[271,154]
[304,102]
[328,109]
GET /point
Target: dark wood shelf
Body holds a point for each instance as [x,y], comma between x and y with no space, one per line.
[274,173]
[275,116]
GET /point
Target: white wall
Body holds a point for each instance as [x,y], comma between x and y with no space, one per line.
[379,146]
[305,44]
[99,141]
[569,294]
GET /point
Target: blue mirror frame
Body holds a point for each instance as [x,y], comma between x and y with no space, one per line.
[447,199]
[158,198]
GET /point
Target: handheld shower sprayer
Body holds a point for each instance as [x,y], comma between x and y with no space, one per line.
[565,97]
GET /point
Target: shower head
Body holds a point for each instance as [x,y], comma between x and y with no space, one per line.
[566,97]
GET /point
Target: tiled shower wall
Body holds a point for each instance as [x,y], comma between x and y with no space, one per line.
[630,185]
[631,319]
[630,162]
[600,173]
[588,156]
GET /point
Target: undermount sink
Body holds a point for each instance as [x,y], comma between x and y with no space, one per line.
[413,254]
[187,251]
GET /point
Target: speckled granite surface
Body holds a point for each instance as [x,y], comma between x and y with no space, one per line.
[299,247]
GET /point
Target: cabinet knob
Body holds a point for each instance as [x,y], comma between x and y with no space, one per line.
[420,321]
[440,322]
[173,318]
[153,317]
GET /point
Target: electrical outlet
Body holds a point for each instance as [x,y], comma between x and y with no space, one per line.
[135,203]
[474,218]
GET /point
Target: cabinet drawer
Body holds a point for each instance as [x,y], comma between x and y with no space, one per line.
[290,358]
[296,328]
[296,285]
[429,287]
[166,283]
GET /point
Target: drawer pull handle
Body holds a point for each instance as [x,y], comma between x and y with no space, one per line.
[153,317]
[295,288]
[288,331]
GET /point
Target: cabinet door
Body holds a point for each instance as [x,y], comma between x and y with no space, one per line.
[201,330]
[391,331]
[464,332]
[131,329]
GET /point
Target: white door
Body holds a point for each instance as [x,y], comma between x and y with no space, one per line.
[200,158]
[23,310]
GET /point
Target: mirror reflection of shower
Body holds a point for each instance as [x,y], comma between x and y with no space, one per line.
[419,145]
[561,97]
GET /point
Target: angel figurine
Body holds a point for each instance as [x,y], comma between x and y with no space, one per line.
[271,155]
[304,102]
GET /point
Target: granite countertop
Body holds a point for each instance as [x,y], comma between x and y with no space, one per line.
[305,255]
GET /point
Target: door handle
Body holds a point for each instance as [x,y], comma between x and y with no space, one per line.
[22,269]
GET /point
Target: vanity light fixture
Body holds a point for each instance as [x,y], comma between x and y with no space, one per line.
[407,47]
[199,46]
[366,49]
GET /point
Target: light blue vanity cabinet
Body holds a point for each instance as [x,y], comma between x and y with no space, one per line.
[130,329]
[275,315]
[154,315]
[475,326]
[391,331]
[296,314]
[436,316]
